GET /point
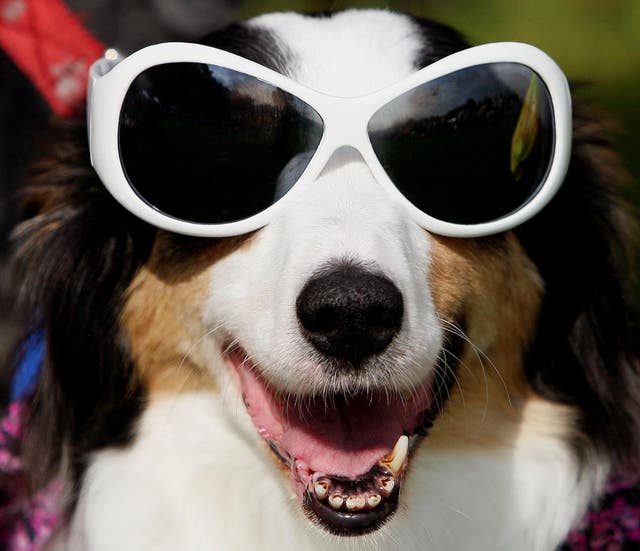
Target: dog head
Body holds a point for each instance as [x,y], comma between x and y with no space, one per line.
[345,343]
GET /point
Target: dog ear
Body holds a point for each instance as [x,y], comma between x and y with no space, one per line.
[75,252]
[587,349]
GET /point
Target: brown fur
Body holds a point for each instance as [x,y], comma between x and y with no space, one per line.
[161,316]
[493,286]
[489,283]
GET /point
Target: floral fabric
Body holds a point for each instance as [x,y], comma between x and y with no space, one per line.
[26,521]
[615,524]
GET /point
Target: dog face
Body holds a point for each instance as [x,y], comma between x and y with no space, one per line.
[342,325]
[377,373]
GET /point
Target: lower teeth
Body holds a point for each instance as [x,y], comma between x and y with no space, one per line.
[336,501]
[361,496]
[365,493]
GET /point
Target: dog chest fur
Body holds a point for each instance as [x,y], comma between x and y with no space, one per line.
[193,482]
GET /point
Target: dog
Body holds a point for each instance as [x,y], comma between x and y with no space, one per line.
[172,360]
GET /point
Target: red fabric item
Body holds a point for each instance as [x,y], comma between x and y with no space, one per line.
[51,46]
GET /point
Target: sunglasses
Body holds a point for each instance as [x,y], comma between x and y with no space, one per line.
[199,141]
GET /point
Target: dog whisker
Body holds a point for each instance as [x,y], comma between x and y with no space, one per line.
[456,510]
[457,330]
[442,385]
[188,375]
[449,370]
[480,354]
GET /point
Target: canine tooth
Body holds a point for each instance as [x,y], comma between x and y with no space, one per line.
[388,484]
[395,459]
[374,500]
[336,501]
[321,488]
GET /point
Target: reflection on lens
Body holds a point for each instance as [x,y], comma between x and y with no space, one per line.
[525,136]
[471,146]
[209,145]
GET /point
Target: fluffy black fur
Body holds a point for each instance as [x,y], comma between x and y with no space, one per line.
[587,348]
[258,45]
[77,250]
[439,41]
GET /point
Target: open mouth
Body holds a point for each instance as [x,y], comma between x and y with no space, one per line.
[346,455]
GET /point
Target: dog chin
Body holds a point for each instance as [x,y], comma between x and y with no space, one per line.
[346,453]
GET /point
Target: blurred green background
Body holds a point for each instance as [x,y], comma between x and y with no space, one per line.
[596,42]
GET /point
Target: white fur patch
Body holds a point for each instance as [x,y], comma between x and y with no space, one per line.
[344,214]
[194,482]
[355,52]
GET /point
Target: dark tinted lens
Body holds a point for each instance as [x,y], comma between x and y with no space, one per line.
[211,145]
[471,146]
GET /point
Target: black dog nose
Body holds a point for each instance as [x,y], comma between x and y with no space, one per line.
[350,313]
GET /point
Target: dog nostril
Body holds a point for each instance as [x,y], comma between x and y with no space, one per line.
[350,313]
[324,319]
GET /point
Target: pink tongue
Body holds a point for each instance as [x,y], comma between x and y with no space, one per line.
[344,439]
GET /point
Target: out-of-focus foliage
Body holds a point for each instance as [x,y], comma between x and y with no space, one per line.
[596,42]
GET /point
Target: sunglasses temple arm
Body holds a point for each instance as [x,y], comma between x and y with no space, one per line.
[99,68]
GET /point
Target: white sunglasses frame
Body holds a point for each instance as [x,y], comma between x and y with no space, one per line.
[345,122]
